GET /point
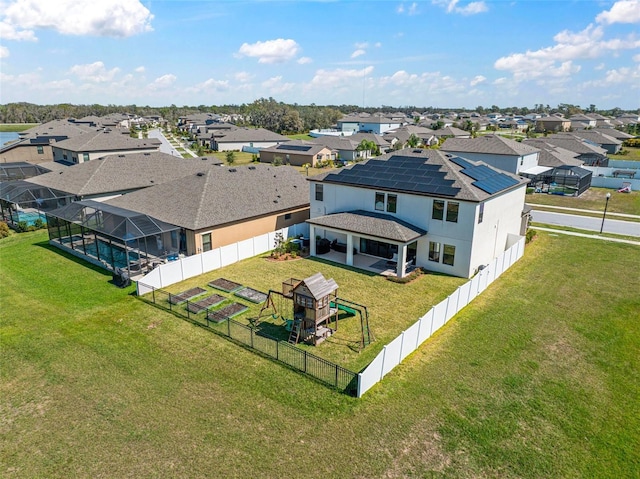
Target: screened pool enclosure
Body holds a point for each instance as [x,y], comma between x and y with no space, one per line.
[112,237]
[21,201]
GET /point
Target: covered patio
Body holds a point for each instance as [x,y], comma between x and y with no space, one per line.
[367,240]
[113,237]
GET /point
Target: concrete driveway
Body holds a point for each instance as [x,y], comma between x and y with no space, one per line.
[165,147]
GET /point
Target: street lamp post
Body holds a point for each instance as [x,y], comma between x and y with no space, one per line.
[605,212]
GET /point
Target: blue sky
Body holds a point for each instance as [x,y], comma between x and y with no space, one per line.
[440,53]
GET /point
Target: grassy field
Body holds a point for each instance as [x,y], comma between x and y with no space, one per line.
[17,127]
[592,199]
[631,154]
[537,378]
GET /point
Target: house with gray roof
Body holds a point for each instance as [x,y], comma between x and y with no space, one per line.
[369,124]
[218,206]
[297,153]
[115,175]
[347,146]
[247,139]
[419,208]
[611,144]
[35,144]
[552,124]
[98,143]
[589,153]
[495,150]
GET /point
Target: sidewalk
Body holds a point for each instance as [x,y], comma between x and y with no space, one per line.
[622,215]
[584,235]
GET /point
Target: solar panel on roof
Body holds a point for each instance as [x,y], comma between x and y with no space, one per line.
[284,146]
[461,162]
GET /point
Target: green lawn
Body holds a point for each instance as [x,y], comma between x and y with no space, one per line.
[17,127]
[592,199]
[536,378]
[629,154]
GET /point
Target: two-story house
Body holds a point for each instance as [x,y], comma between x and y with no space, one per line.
[420,207]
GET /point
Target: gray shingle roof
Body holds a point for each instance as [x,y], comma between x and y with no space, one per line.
[296,147]
[115,173]
[318,286]
[574,144]
[106,141]
[552,156]
[221,195]
[490,144]
[369,223]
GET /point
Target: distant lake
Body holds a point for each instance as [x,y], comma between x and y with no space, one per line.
[8,136]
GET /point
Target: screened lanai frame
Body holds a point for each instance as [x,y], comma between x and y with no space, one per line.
[24,201]
[113,237]
[561,180]
[20,170]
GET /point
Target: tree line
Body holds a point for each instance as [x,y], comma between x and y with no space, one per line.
[265,112]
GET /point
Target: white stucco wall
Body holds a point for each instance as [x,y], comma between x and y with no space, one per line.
[502,217]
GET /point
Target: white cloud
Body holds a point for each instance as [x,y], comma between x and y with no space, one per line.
[361,45]
[339,77]
[358,53]
[452,6]
[10,32]
[164,81]
[243,77]
[140,69]
[636,58]
[557,60]
[4,52]
[275,85]
[624,11]
[109,18]
[94,72]
[411,10]
[477,80]
[599,67]
[304,60]
[207,86]
[500,81]
[271,51]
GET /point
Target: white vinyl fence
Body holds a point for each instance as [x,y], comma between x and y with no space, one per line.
[176,271]
[409,340]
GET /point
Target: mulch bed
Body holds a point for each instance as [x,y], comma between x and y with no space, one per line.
[186,295]
[225,285]
[252,295]
[227,312]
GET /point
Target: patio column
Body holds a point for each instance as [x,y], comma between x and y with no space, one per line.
[349,249]
[402,259]
[312,240]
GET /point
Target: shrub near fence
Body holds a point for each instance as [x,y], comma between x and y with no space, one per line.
[324,371]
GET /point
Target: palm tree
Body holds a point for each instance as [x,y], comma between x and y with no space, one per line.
[368,147]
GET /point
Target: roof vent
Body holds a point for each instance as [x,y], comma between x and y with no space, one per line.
[119,156]
[147,154]
[232,170]
[252,167]
[417,151]
[200,174]
[203,158]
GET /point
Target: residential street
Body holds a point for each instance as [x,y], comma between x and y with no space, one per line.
[611,225]
[166,146]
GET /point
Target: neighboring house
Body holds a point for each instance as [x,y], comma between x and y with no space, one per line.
[552,123]
[451,132]
[589,153]
[423,207]
[96,144]
[219,206]
[612,132]
[581,121]
[368,124]
[399,137]
[497,151]
[247,139]
[114,175]
[558,171]
[35,144]
[609,143]
[298,153]
[347,147]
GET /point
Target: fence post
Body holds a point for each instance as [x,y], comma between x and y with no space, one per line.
[251,336]
[153,294]
[277,350]
[336,366]
[305,361]
[229,327]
